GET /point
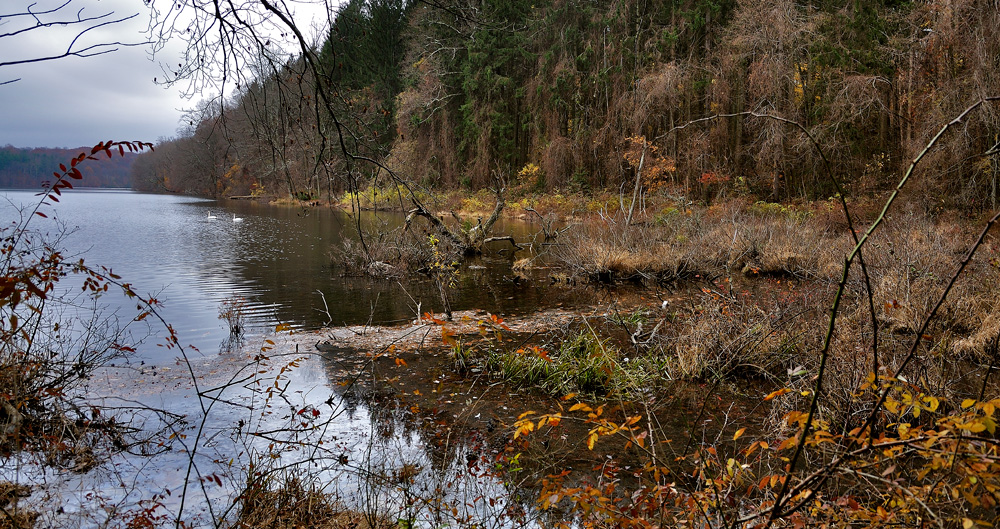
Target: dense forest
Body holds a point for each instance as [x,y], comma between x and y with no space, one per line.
[776,341]
[570,94]
[29,168]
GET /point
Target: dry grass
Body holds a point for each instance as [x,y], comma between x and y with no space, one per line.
[734,336]
[292,505]
[756,247]
[681,242]
[390,254]
[12,515]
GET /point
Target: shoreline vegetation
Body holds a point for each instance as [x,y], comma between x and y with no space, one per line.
[736,295]
[805,326]
[732,300]
[683,399]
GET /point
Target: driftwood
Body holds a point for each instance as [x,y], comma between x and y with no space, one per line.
[468,242]
[547,231]
[504,238]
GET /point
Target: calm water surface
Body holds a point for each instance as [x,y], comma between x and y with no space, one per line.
[277,259]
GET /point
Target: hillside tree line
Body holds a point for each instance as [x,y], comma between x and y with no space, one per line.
[571,94]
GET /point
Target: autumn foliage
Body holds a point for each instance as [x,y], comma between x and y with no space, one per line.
[40,372]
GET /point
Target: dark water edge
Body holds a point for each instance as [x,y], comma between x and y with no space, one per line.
[276,262]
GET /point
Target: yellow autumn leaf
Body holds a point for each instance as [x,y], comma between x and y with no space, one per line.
[974,427]
[739,433]
[967,403]
[524,427]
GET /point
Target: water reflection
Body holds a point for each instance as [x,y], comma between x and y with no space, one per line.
[370,448]
[277,259]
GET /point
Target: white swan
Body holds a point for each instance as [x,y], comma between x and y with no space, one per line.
[210,216]
[237,219]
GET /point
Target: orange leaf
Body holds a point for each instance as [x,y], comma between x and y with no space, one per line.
[777,393]
[448,336]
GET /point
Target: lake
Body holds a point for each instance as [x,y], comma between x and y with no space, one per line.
[277,259]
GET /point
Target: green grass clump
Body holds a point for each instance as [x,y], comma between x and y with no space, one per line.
[583,363]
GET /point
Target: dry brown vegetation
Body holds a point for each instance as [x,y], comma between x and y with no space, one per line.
[756,281]
[292,504]
[12,514]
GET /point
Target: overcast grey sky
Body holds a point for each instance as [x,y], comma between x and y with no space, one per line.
[75,102]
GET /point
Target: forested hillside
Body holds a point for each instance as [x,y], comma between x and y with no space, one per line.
[28,168]
[574,94]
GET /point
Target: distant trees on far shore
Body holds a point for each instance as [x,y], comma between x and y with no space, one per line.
[27,168]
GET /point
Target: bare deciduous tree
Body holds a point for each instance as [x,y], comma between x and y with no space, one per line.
[71,25]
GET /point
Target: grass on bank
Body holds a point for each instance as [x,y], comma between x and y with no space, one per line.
[13,514]
[291,504]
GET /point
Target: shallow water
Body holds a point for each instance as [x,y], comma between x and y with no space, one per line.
[276,260]
[370,460]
